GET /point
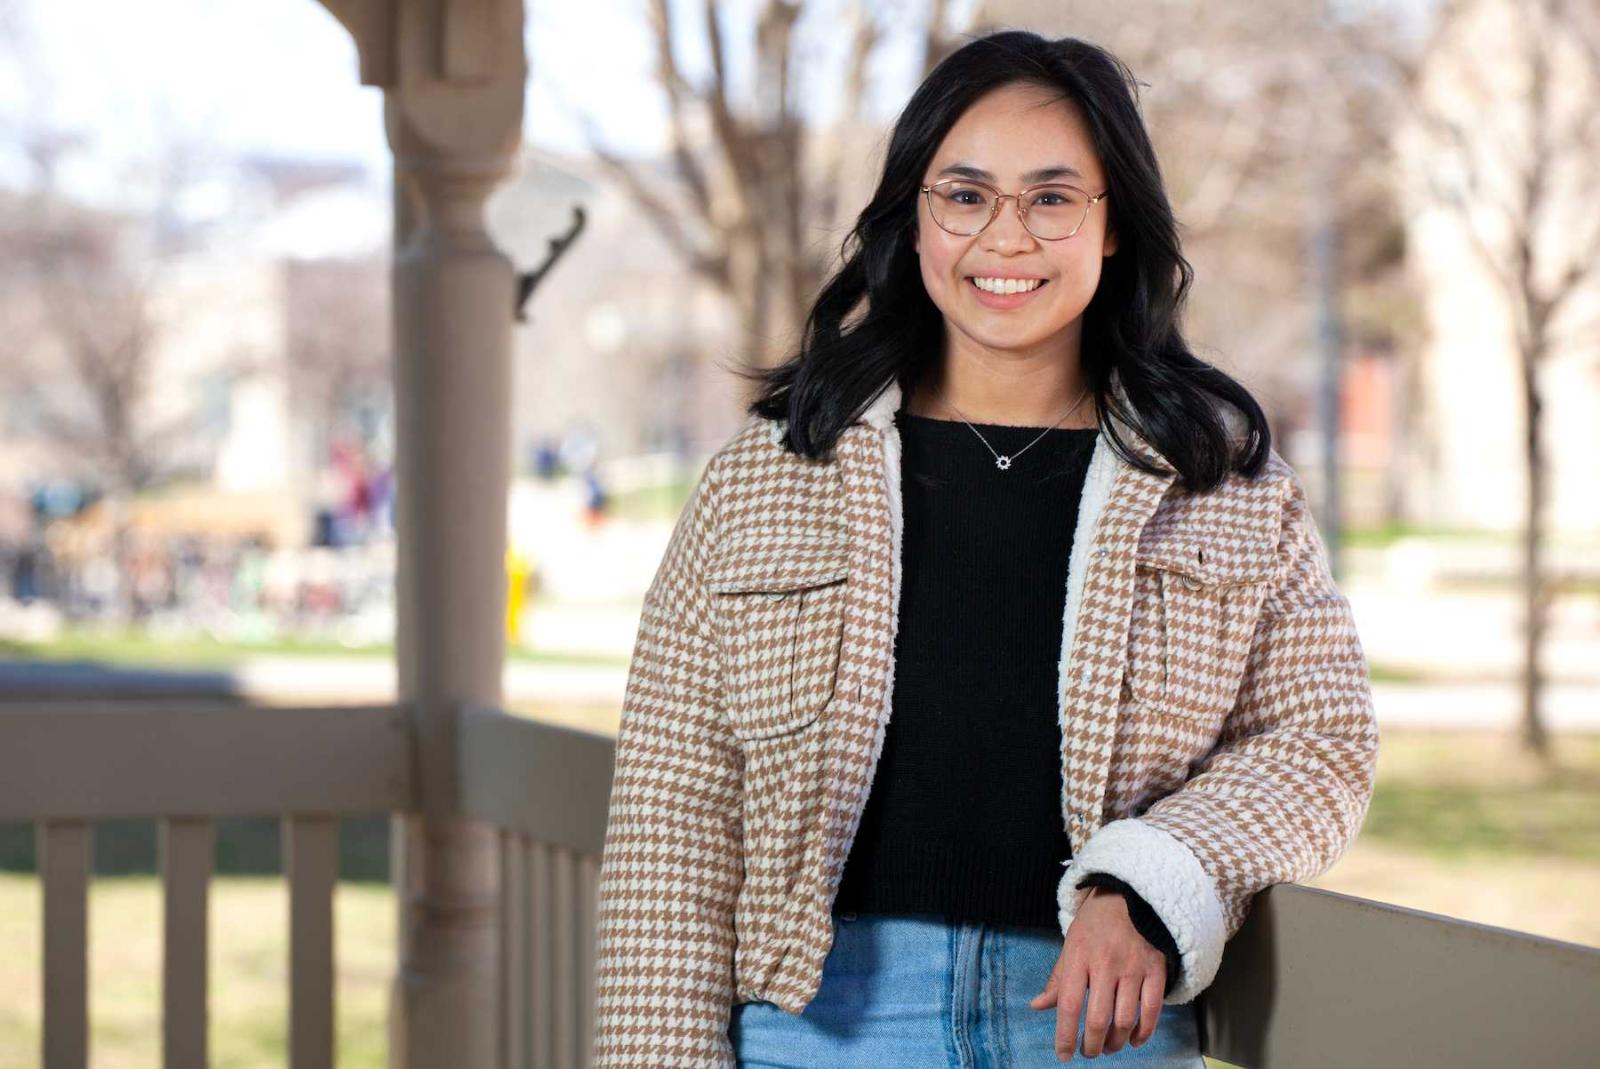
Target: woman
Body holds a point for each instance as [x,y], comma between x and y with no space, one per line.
[995,495]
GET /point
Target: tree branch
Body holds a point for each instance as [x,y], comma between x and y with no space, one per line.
[678,94]
[666,219]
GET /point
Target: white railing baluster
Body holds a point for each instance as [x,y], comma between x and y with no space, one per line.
[586,924]
[311,848]
[65,849]
[187,846]
[541,974]
[513,949]
[564,1000]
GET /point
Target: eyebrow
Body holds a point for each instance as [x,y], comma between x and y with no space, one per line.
[1042,174]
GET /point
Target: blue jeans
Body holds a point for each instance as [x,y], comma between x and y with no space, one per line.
[917,992]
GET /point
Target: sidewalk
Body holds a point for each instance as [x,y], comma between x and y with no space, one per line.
[1568,707]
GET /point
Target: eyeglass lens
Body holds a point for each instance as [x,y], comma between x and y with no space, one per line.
[1049,212]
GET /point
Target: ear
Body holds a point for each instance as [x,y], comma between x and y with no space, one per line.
[1109,246]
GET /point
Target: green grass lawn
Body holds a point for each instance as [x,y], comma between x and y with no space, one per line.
[662,502]
[132,649]
[249,972]
[1456,795]
[1388,533]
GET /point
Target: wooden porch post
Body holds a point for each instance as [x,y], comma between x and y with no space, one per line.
[453,73]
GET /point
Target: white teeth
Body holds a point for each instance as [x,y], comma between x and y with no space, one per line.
[1007,285]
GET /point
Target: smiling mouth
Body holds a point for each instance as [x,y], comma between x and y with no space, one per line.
[1008,287]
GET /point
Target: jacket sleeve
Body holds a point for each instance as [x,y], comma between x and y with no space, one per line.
[1283,792]
[672,863]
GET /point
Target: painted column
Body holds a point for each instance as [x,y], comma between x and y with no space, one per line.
[453,73]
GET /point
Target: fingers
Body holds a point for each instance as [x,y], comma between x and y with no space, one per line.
[1150,995]
[1125,1015]
[1112,1010]
[1108,982]
[1069,1007]
[1097,1021]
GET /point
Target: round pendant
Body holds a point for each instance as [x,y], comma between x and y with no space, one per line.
[1002,463]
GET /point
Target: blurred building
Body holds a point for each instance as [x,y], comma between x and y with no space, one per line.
[622,340]
[269,336]
[1469,466]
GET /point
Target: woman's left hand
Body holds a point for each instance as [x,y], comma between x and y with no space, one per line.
[1123,976]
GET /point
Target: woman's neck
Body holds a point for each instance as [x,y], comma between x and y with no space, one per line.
[1016,404]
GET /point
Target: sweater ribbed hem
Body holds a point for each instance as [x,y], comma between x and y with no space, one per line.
[961,885]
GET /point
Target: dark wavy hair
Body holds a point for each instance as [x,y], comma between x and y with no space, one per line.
[1130,335]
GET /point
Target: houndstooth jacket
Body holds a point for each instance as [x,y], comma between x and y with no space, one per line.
[1215,714]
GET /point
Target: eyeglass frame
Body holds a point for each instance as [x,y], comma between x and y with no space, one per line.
[994,206]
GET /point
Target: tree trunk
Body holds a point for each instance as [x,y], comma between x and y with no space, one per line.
[1536,598]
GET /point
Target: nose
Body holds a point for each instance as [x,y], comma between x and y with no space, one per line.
[1007,228]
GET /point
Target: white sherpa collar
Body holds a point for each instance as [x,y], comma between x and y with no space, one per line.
[880,413]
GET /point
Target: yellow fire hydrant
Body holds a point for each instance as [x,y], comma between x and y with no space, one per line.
[518,569]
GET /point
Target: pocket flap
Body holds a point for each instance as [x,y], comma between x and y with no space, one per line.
[1210,560]
[774,564]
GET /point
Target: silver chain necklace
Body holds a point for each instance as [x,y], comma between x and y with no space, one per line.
[1001,461]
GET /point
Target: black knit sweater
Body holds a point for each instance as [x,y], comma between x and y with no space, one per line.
[964,817]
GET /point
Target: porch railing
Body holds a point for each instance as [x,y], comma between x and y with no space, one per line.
[1313,979]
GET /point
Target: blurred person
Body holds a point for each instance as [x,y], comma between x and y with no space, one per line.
[355,514]
[546,459]
[149,576]
[251,597]
[100,584]
[27,571]
[380,492]
[997,495]
[594,496]
[578,448]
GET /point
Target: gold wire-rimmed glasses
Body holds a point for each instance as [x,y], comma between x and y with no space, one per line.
[1051,211]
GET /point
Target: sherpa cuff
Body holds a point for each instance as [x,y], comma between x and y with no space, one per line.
[1166,875]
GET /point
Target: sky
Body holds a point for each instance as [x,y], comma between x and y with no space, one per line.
[278,77]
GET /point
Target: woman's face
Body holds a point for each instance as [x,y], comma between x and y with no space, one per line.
[1014,133]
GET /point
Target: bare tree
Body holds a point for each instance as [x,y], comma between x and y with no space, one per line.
[747,190]
[91,370]
[338,338]
[81,289]
[1504,104]
[87,361]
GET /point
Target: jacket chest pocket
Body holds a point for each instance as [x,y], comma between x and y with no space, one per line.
[1193,617]
[780,623]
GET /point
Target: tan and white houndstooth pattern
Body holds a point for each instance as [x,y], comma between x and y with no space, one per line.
[1217,728]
